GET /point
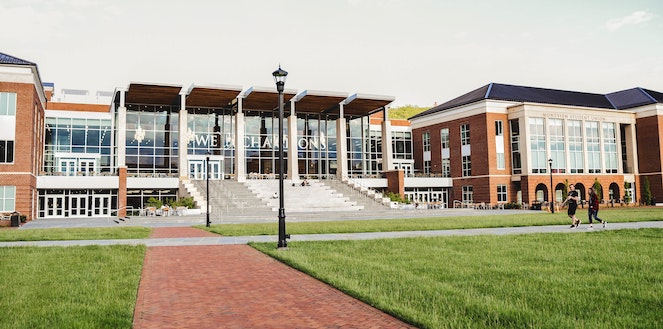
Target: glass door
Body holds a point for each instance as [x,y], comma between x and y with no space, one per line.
[197,169]
[215,170]
[77,206]
[87,167]
[101,205]
[68,167]
[54,206]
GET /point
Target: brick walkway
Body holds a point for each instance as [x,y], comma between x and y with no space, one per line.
[235,286]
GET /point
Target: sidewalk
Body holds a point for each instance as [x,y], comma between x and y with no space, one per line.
[235,286]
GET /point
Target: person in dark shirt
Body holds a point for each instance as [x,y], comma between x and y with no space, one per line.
[593,210]
[572,201]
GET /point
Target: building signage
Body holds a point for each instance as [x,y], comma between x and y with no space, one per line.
[573,116]
[257,142]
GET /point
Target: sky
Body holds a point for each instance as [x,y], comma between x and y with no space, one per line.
[422,52]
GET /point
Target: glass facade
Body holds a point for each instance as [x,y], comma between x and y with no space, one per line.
[77,146]
[152,140]
[316,146]
[212,132]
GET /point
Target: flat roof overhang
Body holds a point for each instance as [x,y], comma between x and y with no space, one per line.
[265,99]
[316,101]
[256,98]
[365,104]
[212,96]
[154,94]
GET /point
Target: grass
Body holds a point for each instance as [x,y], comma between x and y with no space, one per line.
[603,279]
[73,287]
[435,223]
[8,235]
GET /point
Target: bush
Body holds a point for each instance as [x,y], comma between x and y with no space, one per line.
[154,202]
[395,197]
[512,205]
[183,202]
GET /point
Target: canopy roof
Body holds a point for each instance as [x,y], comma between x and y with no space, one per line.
[254,98]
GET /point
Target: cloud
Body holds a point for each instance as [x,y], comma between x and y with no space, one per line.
[637,17]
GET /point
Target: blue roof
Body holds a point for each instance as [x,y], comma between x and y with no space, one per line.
[7,59]
[495,91]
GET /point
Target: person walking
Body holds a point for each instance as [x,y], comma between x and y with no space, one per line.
[572,201]
[593,210]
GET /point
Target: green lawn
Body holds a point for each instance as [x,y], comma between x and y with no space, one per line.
[612,215]
[601,279]
[73,287]
[53,234]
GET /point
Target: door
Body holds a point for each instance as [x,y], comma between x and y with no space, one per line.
[101,205]
[68,167]
[87,167]
[196,169]
[77,206]
[54,206]
[215,169]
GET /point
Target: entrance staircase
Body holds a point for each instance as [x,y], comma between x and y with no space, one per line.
[255,197]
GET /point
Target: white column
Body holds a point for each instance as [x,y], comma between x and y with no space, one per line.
[293,155]
[341,148]
[240,152]
[387,150]
[182,140]
[122,132]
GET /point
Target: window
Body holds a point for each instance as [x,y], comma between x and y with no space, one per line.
[610,147]
[593,147]
[401,142]
[557,147]
[425,139]
[537,142]
[499,130]
[444,138]
[499,145]
[427,167]
[6,151]
[8,104]
[467,165]
[516,166]
[576,159]
[468,194]
[465,134]
[446,168]
[7,198]
[501,193]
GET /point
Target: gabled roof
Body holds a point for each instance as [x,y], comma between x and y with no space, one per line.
[495,91]
[7,59]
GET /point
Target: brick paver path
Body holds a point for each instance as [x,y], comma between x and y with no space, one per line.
[235,286]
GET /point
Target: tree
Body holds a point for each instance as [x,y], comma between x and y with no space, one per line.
[405,112]
[598,189]
[646,191]
[627,192]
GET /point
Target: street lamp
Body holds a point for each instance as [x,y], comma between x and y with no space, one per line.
[207,181]
[279,78]
[552,191]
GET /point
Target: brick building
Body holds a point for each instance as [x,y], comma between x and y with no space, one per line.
[503,143]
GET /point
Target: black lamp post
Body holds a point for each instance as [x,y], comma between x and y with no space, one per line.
[207,181]
[552,191]
[279,78]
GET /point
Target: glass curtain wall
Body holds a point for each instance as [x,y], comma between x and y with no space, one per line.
[77,146]
[212,130]
[357,132]
[316,146]
[152,140]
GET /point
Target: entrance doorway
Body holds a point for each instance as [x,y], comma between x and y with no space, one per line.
[198,169]
[77,206]
[54,206]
